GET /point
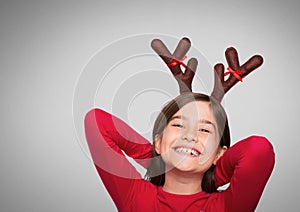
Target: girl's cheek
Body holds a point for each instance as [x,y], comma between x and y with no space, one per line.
[203,137]
[210,148]
[173,132]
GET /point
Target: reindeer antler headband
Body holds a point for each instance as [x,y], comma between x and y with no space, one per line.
[184,79]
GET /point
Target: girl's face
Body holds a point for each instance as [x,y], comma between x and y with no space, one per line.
[190,140]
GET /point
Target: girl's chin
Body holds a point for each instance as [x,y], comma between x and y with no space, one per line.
[187,164]
[183,170]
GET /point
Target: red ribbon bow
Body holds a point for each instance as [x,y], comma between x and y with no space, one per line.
[235,73]
[178,61]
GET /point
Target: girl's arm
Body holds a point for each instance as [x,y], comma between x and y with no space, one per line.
[247,165]
[107,137]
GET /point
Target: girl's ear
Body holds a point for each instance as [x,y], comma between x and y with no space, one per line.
[157,141]
[220,153]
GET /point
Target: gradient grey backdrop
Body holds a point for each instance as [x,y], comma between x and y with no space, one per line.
[45,45]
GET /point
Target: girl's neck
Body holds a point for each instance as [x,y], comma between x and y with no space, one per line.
[178,182]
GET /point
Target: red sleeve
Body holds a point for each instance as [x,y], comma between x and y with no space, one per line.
[107,138]
[247,165]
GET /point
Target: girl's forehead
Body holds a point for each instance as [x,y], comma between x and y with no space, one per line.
[196,110]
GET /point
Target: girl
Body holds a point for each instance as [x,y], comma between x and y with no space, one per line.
[185,133]
[190,156]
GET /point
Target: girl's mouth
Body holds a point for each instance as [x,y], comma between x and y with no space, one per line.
[187,151]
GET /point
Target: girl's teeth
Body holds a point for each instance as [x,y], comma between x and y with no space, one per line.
[188,151]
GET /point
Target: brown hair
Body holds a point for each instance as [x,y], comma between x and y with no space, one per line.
[156,170]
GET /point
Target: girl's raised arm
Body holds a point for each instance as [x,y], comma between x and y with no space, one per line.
[107,137]
[247,165]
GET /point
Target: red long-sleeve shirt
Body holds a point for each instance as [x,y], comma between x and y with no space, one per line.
[246,165]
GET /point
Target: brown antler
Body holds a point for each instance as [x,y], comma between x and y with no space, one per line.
[236,71]
[174,62]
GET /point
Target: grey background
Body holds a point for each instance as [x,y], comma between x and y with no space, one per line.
[45,46]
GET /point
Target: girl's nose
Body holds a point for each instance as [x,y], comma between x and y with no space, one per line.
[190,135]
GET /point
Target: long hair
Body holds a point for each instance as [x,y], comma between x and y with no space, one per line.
[156,170]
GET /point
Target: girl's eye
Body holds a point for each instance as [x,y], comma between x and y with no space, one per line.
[178,125]
[204,130]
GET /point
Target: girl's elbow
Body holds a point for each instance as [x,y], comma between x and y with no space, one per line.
[262,148]
[95,115]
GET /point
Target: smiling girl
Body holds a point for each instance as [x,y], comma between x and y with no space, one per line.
[190,158]
[187,165]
